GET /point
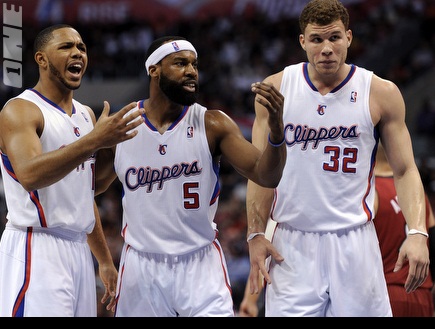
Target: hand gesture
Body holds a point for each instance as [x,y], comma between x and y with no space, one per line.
[259,249]
[115,128]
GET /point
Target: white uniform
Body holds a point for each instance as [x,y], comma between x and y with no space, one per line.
[46,266]
[172,263]
[324,203]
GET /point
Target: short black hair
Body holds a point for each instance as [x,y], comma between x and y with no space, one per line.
[46,35]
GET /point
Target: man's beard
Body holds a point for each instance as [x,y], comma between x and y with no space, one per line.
[176,93]
[57,74]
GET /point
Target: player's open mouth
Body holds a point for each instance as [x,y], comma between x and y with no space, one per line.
[190,87]
[75,68]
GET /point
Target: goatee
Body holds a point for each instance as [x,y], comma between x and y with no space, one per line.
[176,93]
[57,74]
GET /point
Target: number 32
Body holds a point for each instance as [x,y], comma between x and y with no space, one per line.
[349,158]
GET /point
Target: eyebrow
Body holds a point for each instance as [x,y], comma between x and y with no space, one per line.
[71,43]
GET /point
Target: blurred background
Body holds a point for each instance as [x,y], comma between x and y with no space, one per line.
[238,42]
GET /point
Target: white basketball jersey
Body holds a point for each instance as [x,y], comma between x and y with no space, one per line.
[68,203]
[331,142]
[170,186]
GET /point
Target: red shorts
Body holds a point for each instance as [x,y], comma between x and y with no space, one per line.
[416,304]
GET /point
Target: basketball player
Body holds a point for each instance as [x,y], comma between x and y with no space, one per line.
[391,229]
[48,143]
[325,253]
[172,263]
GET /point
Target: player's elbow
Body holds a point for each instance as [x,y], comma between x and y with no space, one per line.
[29,185]
[272,180]
[274,177]
[30,181]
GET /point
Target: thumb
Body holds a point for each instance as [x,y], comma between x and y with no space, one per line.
[106,109]
[398,264]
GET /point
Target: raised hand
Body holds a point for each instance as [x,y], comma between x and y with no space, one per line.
[273,101]
[117,127]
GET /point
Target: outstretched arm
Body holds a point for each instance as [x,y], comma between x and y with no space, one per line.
[21,124]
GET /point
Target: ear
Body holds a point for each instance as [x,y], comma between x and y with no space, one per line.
[349,37]
[302,41]
[154,70]
[40,59]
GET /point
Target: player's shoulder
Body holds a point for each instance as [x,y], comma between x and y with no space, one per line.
[18,114]
[288,72]
[219,123]
[216,115]
[382,85]
[17,105]
[275,79]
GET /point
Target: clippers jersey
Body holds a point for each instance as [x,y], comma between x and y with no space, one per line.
[170,186]
[49,206]
[334,141]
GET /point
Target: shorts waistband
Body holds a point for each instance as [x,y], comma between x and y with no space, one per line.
[55,231]
[339,232]
[166,258]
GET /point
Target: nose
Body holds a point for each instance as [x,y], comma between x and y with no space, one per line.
[77,51]
[327,48]
[191,69]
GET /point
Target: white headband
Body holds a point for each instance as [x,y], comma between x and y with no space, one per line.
[166,49]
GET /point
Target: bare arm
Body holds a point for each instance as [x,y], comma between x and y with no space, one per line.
[259,202]
[107,270]
[388,111]
[21,124]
